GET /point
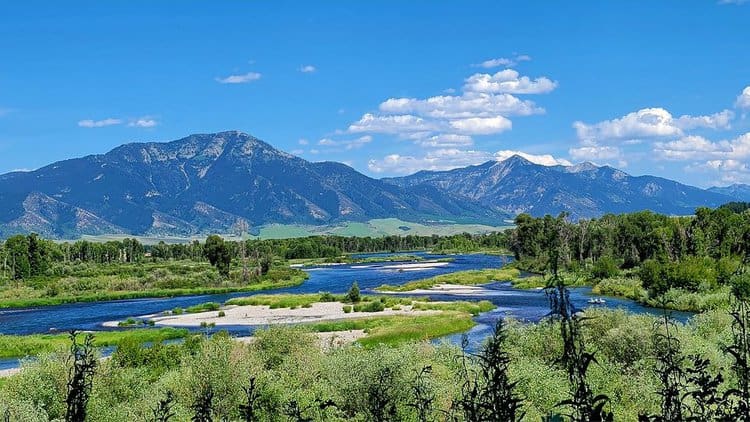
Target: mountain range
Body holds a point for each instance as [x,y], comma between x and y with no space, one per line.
[738,191]
[585,190]
[210,182]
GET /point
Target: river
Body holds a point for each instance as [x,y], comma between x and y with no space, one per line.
[530,305]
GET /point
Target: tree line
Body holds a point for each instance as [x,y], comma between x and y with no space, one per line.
[694,253]
[27,256]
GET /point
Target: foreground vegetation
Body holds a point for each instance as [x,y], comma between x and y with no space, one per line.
[290,373]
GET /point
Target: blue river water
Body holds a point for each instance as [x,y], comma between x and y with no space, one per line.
[529,305]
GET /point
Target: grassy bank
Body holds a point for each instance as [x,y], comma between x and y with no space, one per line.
[162,281]
[471,277]
[32,345]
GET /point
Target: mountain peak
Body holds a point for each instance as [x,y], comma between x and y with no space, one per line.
[516,159]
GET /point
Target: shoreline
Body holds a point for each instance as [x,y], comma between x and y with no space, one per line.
[264,315]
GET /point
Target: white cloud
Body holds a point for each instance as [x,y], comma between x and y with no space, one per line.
[726,171]
[298,151]
[89,123]
[394,125]
[686,148]
[697,147]
[544,159]
[239,79]
[743,100]
[720,120]
[449,121]
[649,123]
[307,68]
[349,144]
[468,105]
[733,1]
[144,122]
[508,81]
[481,125]
[503,62]
[445,140]
[302,141]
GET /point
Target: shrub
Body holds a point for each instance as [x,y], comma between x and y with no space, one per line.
[347,309]
[327,297]
[353,294]
[605,267]
[376,306]
[221,314]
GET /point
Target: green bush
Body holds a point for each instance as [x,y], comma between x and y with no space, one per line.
[347,309]
[605,267]
[353,295]
[374,306]
[327,297]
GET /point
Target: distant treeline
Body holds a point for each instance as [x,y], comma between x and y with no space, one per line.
[24,256]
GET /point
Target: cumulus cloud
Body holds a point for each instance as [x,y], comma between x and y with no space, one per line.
[743,100]
[649,123]
[726,171]
[89,123]
[484,107]
[394,125]
[307,68]
[698,147]
[239,79]
[481,125]
[503,62]
[508,81]
[348,144]
[144,122]
[470,104]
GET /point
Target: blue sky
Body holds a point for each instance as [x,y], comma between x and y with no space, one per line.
[389,87]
